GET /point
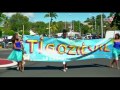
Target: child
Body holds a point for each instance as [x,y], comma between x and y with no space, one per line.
[116,51]
[16,54]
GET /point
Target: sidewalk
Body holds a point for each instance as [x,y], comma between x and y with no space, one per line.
[3,49]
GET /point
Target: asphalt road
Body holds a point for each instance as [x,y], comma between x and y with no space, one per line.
[88,68]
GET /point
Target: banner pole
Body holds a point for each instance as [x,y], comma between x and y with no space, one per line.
[22,49]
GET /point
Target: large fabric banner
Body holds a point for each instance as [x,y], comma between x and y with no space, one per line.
[59,49]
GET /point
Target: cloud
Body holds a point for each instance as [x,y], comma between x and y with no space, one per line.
[29,15]
[9,14]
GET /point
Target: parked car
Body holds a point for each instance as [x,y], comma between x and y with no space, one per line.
[9,45]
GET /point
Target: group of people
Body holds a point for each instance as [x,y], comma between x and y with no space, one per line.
[17,53]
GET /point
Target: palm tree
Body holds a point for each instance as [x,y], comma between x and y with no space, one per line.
[51,15]
[54,27]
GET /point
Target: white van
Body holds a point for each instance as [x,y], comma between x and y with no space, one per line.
[111,33]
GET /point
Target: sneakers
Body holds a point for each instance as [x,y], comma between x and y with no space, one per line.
[18,68]
[64,70]
[112,66]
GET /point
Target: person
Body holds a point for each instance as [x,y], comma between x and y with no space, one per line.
[64,36]
[6,42]
[16,54]
[116,51]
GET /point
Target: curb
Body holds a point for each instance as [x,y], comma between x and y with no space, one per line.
[9,65]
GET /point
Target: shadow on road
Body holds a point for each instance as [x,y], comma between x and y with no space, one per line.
[60,67]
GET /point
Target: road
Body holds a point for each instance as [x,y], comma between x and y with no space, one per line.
[88,68]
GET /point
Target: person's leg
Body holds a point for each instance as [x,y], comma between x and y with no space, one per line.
[64,66]
[115,57]
[117,65]
[18,66]
[21,66]
[22,63]
[116,61]
[112,63]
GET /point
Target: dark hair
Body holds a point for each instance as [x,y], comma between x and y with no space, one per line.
[14,38]
[64,31]
[117,35]
[64,35]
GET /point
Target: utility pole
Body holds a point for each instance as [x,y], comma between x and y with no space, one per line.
[101,26]
[73,24]
[95,23]
[49,25]
[23,29]
[79,28]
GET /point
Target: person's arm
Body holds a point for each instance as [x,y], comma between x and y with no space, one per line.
[22,47]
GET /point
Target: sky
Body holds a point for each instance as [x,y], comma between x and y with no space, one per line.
[33,17]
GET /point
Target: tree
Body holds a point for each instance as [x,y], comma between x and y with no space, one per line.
[2,17]
[98,19]
[116,21]
[85,29]
[6,23]
[0,33]
[8,32]
[111,14]
[54,28]
[51,15]
[61,25]
[39,27]
[17,21]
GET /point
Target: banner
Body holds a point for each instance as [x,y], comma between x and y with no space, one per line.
[59,49]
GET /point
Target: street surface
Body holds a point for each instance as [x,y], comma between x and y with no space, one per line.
[88,68]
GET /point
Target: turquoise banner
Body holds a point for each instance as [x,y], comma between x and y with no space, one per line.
[59,49]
